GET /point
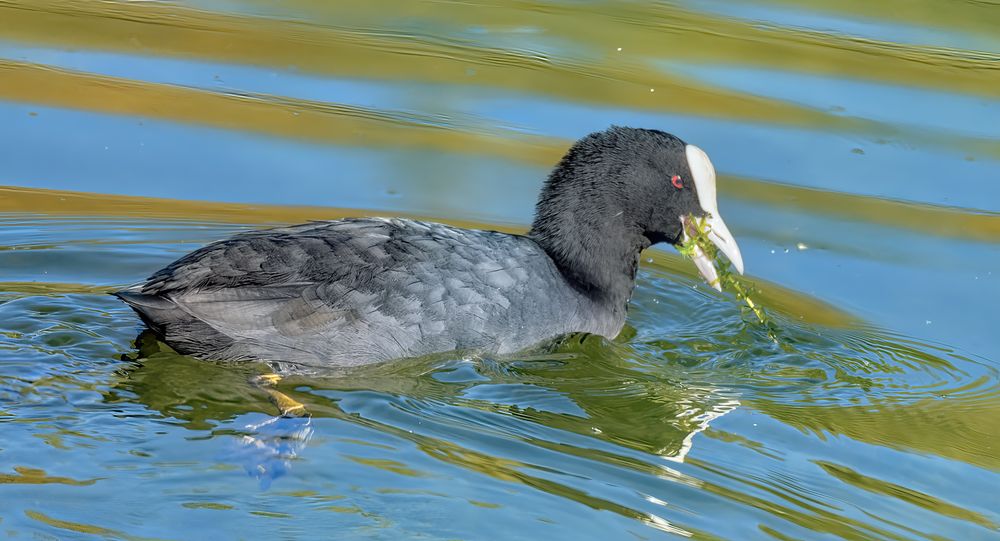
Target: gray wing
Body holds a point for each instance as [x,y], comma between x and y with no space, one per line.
[351,292]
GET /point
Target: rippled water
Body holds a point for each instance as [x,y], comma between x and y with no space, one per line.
[859,152]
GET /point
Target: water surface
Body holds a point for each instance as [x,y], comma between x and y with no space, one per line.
[858,150]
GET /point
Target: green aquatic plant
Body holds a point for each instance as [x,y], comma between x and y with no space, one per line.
[696,243]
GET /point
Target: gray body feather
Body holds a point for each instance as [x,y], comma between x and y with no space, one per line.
[360,291]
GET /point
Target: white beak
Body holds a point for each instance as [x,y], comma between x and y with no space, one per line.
[703,174]
[705,265]
[721,237]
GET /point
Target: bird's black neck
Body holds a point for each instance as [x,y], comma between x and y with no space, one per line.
[598,259]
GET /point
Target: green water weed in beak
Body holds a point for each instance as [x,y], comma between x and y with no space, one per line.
[697,230]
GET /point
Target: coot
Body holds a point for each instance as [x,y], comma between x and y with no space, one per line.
[359,291]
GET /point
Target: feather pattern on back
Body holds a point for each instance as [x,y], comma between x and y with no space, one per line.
[358,291]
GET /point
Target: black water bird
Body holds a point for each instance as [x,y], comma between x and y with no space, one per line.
[359,291]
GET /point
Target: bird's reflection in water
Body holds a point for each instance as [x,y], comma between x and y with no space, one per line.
[579,394]
[201,393]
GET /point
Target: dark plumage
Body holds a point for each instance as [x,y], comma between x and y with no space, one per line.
[358,291]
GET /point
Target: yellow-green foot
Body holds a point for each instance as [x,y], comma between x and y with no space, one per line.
[288,406]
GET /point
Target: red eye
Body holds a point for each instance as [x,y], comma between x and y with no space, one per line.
[676,181]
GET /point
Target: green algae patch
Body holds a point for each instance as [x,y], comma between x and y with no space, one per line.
[208,505]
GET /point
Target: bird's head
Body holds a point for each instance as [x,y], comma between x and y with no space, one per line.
[629,187]
[687,176]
